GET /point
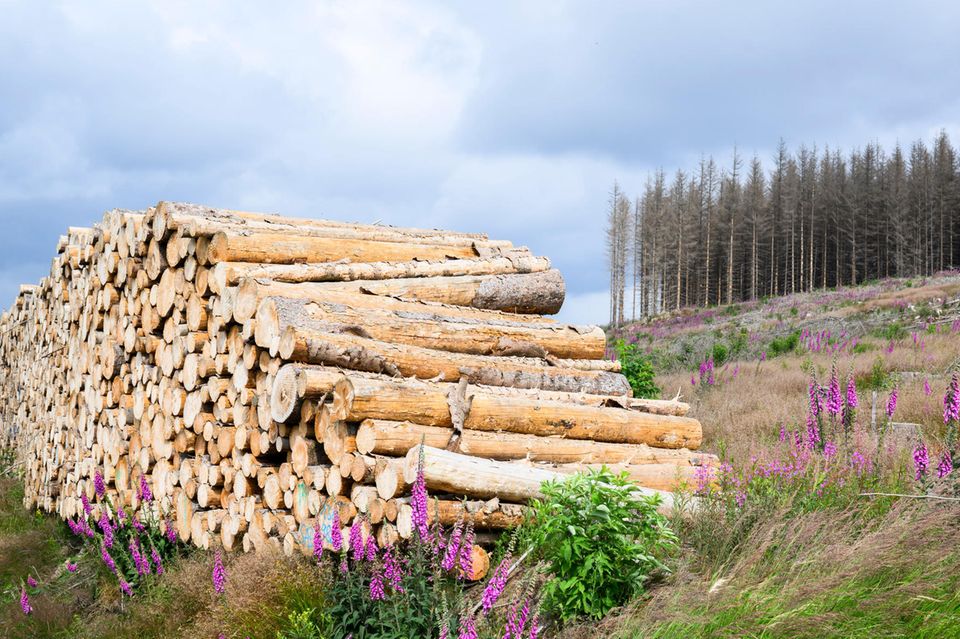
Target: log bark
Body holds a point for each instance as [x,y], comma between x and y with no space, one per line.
[424,325]
[427,403]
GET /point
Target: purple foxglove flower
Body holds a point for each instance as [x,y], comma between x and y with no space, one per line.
[920,461]
[453,547]
[945,467]
[71,567]
[317,541]
[926,387]
[495,585]
[171,532]
[829,450]
[138,525]
[108,560]
[377,593]
[834,401]
[951,401]
[343,566]
[87,508]
[25,602]
[157,562]
[468,628]
[144,493]
[418,503]
[98,486]
[336,534]
[392,569]
[465,563]
[892,402]
[356,539]
[125,587]
[370,549]
[219,574]
[852,393]
[31,581]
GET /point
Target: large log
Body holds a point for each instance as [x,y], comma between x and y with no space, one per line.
[415,324]
[475,477]
[363,354]
[523,293]
[285,248]
[384,437]
[226,274]
[357,398]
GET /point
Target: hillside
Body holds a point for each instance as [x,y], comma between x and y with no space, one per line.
[792,547]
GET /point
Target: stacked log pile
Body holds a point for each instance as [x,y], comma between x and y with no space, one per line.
[262,373]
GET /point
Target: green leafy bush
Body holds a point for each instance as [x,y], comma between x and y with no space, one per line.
[302,625]
[784,344]
[602,541]
[892,331]
[720,354]
[638,370]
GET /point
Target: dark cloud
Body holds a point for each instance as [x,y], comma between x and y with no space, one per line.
[510,118]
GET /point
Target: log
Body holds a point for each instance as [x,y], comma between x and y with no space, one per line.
[475,477]
[285,248]
[417,324]
[427,403]
[360,353]
[384,437]
[226,274]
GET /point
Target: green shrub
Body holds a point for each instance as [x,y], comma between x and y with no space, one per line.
[877,379]
[302,625]
[893,331]
[863,347]
[638,370]
[602,541]
[719,353]
[784,344]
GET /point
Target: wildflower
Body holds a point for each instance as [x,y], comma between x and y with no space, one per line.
[108,560]
[763,356]
[98,486]
[495,585]
[219,574]
[892,402]
[125,587]
[336,534]
[418,503]
[813,431]
[31,581]
[317,541]
[859,462]
[926,387]
[704,476]
[377,592]
[157,562]
[920,461]
[371,549]
[740,498]
[945,467]
[121,515]
[25,602]
[693,380]
[535,627]
[356,539]
[107,529]
[465,562]
[951,401]
[139,561]
[783,433]
[444,631]
[517,621]
[834,402]
[171,532]
[138,525]
[852,393]
[816,398]
[392,569]
[343,566]
[144,493]
[71,567]
[468,629]
[87,508]
[453,547]
[75,527]
[829,450]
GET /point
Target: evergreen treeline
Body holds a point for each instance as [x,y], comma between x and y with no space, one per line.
[816,219]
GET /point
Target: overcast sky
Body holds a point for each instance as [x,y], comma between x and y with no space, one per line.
[508,118]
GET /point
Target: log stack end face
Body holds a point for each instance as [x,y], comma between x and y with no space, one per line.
[266,374]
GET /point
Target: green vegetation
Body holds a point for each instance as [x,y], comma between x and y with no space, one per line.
[784,344]
[638,370]
[601,540]
[893,330]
